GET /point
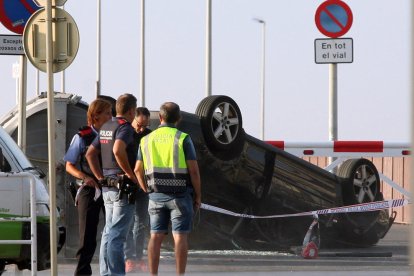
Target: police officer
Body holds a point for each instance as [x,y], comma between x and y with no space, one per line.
[115,144]
[87,202]
[171,172]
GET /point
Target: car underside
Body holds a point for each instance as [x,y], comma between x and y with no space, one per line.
[245,175]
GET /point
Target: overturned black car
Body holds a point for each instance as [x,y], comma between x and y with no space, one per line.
[245,175]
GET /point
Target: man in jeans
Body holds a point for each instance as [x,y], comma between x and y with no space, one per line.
[115,143]
[167,161]
[134,246]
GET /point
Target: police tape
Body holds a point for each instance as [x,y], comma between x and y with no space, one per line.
[357,208]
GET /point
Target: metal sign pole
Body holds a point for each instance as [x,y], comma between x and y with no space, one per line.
[51,138]
[142,64]
[324,23]
[62,82]
[262,102]
[333,104]
[98,49]
[21,135]
[62,75]
[37,82]
[208,48]
[411,177]
[16,75]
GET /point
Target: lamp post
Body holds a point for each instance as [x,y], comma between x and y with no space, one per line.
[98,47]
[262,101]
[142,54]
[208,48]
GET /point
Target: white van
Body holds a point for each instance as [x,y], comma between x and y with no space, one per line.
[15,202]
[70,113]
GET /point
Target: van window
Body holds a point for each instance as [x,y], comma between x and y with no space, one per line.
[4,164]
[11,146]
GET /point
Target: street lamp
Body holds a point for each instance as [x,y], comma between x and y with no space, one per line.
[262,102]
[142,54]
[208,48]
[98,47]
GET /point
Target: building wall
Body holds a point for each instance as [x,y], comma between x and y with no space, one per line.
[395,168]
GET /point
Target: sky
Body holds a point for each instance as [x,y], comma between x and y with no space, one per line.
[373,91]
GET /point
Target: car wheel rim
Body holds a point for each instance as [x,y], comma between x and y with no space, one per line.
[365,184]
[225,123]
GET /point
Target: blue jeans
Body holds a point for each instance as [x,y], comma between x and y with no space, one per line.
[134,245]
[119,216]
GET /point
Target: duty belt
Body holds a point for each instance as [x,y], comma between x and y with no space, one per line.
[112,182]
[124,186]
[115,181]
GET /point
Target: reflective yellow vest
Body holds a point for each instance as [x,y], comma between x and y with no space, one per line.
[164,160]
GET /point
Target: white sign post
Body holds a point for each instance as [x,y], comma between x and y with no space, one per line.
[333,18]
[16,74]
[51,42]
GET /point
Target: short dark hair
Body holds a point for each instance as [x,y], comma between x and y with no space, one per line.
[170,112]
[111,100]
[124,103]
[142,111]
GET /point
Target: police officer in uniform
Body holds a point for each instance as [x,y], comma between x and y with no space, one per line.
[88,199]
[115,143]
[167,163]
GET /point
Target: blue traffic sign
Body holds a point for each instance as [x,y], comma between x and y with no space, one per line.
[333,18]
[15,13]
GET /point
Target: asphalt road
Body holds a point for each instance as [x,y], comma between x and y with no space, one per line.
[392,259]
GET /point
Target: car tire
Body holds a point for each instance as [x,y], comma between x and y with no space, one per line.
[361,185]
[222,124]
[362,182]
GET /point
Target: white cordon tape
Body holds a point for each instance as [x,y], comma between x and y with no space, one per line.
[357,208]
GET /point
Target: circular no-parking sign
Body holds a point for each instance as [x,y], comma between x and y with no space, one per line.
[333,18]
[14,14]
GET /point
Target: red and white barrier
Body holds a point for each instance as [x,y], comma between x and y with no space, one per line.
[344,148]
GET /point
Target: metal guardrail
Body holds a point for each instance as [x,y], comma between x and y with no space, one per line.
[31,219]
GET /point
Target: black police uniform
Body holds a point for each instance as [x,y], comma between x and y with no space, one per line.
[88,211]
[107,136]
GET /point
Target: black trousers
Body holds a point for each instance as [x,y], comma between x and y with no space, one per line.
[88,213]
